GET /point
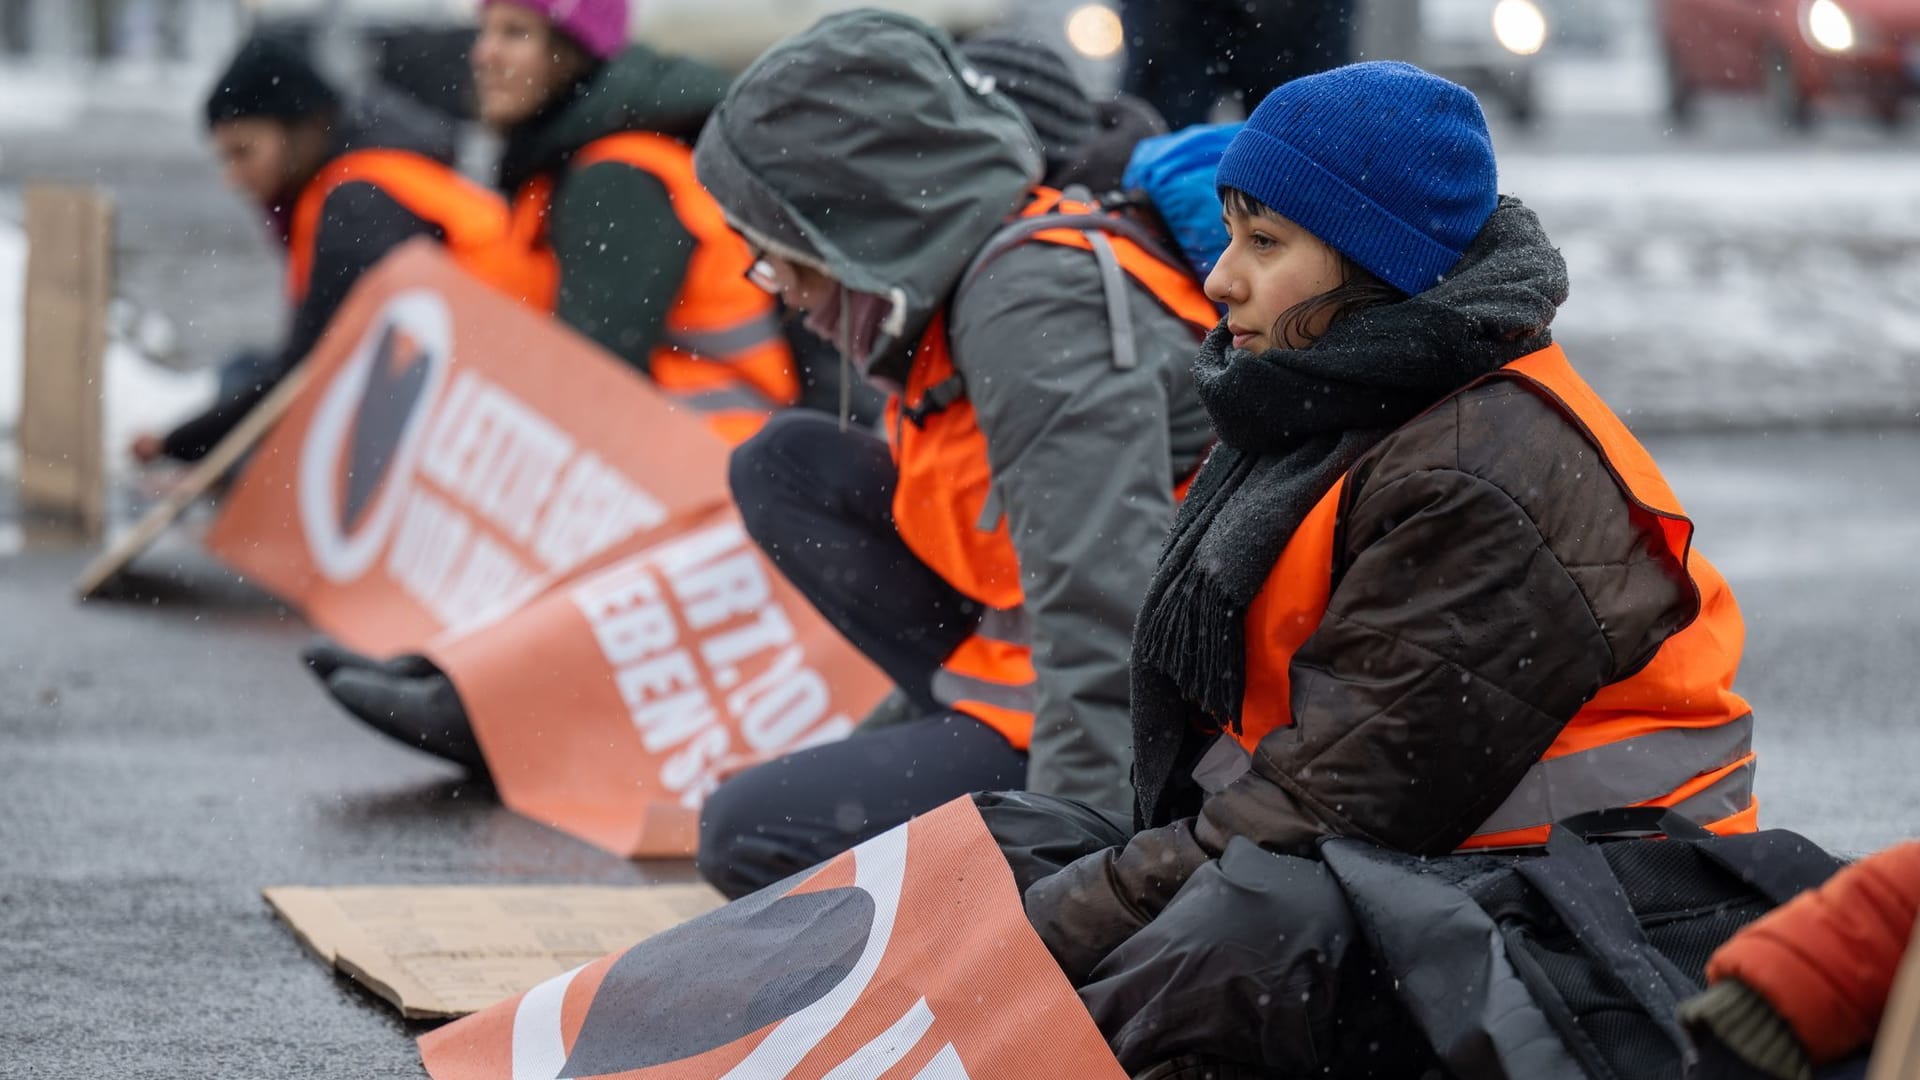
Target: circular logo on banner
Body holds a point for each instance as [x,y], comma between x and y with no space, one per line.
[357,461]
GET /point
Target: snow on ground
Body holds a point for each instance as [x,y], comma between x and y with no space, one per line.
[1755,288]
[140,395]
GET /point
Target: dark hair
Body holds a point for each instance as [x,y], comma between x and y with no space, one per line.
[1359,288]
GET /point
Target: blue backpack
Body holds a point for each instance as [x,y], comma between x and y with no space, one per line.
[1176,173]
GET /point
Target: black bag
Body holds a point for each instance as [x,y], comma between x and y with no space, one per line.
[1568,963]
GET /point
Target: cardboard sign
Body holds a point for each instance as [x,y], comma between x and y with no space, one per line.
[1896,1051]
[908,957]
[464,478]
[448,950]
[63,471]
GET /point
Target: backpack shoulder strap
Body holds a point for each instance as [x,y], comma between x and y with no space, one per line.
[1582,889]
[1097,227]
[1777,864]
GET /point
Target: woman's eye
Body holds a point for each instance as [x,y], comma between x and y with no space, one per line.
[1260,242]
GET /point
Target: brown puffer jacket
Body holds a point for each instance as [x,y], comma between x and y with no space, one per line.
[1482,524]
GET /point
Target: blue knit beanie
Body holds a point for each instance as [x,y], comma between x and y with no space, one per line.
[1383,162]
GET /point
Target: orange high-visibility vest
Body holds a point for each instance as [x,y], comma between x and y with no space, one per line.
[1672,734]
[723,352]
[943,503]
[471,219]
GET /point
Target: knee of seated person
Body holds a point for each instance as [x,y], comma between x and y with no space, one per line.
[757,465]
[717,858]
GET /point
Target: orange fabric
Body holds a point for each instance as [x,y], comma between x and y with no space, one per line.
[471,217]
[1827,960]
[946,481]
[521,265]
[1689,682]
[715,299]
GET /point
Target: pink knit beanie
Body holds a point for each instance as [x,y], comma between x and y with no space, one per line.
[600,26]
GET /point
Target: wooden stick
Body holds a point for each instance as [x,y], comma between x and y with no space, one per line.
[205,473]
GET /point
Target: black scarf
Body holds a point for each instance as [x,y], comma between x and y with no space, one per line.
[1291,423]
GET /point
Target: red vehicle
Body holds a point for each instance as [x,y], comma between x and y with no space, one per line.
[1798,53]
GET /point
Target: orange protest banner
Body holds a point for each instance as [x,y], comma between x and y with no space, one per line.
[696,645]
[908,957]
[464,478]
[454,457]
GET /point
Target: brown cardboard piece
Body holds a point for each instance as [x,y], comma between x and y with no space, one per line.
[448,950]
[69,283]
[1896,1053]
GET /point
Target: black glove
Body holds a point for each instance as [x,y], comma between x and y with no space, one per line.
[422,710]
[326,656]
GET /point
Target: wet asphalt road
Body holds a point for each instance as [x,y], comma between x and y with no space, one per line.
[164,757]
[159,764]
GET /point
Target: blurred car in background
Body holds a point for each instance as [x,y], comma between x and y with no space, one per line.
[1489,47]
[1798,54]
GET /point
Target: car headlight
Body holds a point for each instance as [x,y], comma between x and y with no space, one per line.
[1828,26]
[1095,32]
[1521,28]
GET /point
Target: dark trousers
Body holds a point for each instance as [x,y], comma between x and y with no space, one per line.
[1185,55]
[819,502]
[1256,962]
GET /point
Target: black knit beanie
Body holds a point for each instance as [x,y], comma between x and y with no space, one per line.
[1044,87]
[267,79]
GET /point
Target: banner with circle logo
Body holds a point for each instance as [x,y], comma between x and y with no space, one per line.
[909,958]
[467,479]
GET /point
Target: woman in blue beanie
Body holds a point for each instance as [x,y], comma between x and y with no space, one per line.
[1427,592]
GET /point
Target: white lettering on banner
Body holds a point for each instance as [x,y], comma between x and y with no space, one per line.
[431,538]
[496,455]
[595,509]
[712,585]
[446,567]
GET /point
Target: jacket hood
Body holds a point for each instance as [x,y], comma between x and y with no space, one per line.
[638,90]
[383,119]
[869,147]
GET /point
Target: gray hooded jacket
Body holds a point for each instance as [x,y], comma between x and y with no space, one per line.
[870,148]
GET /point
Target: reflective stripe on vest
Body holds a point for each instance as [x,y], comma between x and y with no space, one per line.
[1672,734]
[471,219]
[722,351]
[946,513]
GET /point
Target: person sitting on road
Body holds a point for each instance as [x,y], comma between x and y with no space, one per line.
[1428,591]
[610,231]
[341,189]
[988,555]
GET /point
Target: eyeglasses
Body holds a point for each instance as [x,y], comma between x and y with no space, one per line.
[762,274]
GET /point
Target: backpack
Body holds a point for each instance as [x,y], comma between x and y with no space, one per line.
[1568,963]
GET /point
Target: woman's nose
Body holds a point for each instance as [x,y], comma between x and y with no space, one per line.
[1219,285]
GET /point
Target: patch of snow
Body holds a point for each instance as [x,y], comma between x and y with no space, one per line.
[13,290]
[140,395]
[1741,288]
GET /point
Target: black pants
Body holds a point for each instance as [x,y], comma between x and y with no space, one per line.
[1256,961]
[1185,55]
[819,502]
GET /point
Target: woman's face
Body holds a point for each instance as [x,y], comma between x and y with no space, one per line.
[1270,266]
[519,64]
[266,159]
